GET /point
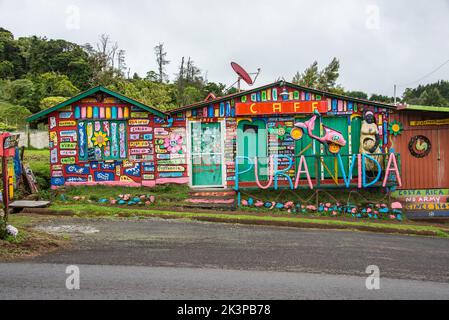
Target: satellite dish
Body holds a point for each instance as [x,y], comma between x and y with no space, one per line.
[243,75]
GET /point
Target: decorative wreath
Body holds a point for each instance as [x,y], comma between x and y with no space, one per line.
[419,146]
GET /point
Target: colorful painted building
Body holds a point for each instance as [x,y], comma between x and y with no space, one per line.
[102,137]
[278,135]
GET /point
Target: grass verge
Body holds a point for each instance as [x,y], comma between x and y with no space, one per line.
[241,218]
[28,243]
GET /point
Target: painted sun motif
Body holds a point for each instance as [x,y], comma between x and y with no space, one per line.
[100,139]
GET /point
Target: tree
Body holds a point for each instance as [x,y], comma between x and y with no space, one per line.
[329,75]
[309,77]
[14,115]
[161,62]
[357,94]
[49,102]
[20,92]
[323,80]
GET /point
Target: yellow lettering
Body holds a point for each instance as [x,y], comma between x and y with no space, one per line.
[314,106]
[277,107]
[251,108]
[296,106]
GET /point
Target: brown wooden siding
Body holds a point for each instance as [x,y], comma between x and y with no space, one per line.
[431,171]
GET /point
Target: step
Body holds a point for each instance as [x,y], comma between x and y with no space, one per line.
[210,200]
[212,193]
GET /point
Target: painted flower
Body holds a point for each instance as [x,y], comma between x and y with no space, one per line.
[395,128]
[100,139]
[174,143]
[281,131]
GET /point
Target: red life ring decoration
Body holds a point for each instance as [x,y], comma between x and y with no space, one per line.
[419,146]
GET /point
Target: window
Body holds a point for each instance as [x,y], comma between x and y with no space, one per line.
[102,140]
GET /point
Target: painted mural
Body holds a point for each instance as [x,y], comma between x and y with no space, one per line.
[114,143]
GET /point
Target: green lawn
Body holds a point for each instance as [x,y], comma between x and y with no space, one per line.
[108,211]
[39,162]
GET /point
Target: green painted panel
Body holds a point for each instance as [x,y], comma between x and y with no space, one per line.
[339,124]
[206,155]
[252,142]
[303,143]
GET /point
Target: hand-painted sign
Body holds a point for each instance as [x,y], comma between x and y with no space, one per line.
[170,169]
[67,152]
[76,179]
[435,122]
[139,144]
[139,122]
[141,129]
[133,171]
[57,181]
[69,160]
[171,174]
[75,169]
[140,151]
[67,145]
[427,206]
[104,176]
[67,123]
[65,115]
[284,107]
[11,141]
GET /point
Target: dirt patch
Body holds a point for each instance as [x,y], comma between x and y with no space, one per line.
[67,229]
[32,244]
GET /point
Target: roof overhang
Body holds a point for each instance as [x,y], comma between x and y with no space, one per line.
[88,93]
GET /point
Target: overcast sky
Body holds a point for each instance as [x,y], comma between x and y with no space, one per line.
[379,43]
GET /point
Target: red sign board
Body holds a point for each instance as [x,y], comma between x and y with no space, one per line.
[281,107]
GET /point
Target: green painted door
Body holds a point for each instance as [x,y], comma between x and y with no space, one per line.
[206,154]
[307,146]
[252,142]
[339,124]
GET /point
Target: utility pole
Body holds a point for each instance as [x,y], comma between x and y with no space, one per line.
[394,94]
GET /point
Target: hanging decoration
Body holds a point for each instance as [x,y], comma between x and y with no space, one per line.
[419,146]
[395,128]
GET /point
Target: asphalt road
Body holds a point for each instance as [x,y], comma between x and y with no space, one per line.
[47,281]
[155,258]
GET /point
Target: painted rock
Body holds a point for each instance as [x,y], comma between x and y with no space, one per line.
[112,201]
[147,202]
[258,203]
[267,204]
[396,205]
[334,213]
[359,215]
[103,200]
[131,203]
[152,198]
[289,204]
[399,217]
[311,207]
[383,210]
[135,199]
[321,208]
[328,205]
[369,210]
[279,205]
[353,210]
[392,216]
[121,202]
[244,202]
[250,201]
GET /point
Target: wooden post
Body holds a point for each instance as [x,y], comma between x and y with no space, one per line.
[5,188]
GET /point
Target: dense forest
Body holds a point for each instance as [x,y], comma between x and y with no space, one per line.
[36,73]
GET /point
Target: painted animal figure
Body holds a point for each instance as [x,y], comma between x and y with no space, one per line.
[332,138]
